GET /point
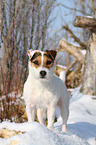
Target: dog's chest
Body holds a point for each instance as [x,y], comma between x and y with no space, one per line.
[39,95]
[42,98]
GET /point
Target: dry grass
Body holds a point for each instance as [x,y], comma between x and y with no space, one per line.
[12,108]
[4,133]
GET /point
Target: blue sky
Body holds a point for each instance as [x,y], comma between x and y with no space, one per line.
[62,13]
[63,16]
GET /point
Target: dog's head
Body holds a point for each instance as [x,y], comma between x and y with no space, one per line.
[42,63]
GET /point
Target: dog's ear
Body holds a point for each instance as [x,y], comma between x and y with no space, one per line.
[52,53]
[30,53]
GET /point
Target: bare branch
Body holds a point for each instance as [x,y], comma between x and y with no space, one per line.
[74,9]
[71,66]
[83,46]
[93,6]
[0,17]
[75,71]
[13,19]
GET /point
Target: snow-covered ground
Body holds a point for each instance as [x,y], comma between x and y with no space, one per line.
[81,126]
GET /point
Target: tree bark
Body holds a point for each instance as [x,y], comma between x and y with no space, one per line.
[89,76]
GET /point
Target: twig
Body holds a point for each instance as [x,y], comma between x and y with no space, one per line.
[83,46]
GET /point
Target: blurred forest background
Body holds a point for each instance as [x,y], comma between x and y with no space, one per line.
[40,24]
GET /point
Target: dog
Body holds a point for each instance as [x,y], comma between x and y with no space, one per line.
[43,90]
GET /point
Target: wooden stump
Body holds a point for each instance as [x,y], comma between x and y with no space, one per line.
[89,76]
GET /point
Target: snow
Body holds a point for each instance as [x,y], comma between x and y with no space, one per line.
[83,52]
[81,126]
[91,17]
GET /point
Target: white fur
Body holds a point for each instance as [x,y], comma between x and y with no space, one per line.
[45,94]
[62,76]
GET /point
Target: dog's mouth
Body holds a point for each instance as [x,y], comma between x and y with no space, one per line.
[42,77]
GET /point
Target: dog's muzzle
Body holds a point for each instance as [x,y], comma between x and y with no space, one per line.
[43,74]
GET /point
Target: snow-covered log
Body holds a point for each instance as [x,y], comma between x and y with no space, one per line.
[85,22]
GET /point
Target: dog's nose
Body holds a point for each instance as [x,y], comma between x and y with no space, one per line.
[43,73]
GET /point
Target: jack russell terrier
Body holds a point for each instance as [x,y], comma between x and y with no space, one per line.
[43,90]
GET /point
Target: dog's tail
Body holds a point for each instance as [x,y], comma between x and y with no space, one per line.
[62,75]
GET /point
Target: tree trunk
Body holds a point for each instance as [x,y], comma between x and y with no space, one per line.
[89,76]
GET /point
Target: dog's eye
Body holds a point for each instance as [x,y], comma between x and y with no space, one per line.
[36,62]
[48,62]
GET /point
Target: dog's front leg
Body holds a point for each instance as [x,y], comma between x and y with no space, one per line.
[51,116]
[30,113]
[41,114]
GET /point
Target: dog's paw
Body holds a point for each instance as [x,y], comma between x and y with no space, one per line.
[50,127]
[64,129]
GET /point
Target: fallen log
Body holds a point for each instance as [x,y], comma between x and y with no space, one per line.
[72,50]
[85,22]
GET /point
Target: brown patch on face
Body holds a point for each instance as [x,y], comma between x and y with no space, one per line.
[51,54]
[36,60]
[47,61]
